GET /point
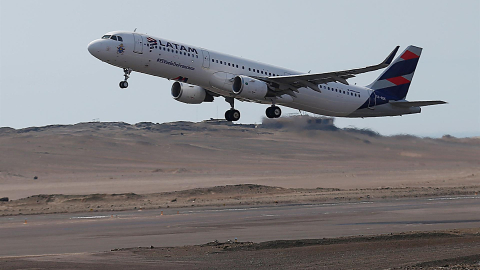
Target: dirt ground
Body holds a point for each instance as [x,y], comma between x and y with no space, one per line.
[453,249]
[90,158]
[116,166]
[231,195]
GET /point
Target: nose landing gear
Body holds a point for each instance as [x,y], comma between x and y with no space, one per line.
[273,112]
[124,84]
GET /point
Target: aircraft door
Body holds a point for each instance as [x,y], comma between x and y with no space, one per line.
[206,59]
[372,101]
[138,43]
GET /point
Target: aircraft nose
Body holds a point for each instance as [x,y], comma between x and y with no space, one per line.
[95,47]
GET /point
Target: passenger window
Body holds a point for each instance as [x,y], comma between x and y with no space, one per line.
[236,66]
[228,64]
[249,69]
[119,38]
[270,73]
[106,36]
[253,70]
[328,88]
[216,61]
[243,67]
[213,60]
[114,37]
[261,72]
[168,49]
[221,62]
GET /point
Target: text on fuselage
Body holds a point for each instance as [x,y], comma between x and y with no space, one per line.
[178,47]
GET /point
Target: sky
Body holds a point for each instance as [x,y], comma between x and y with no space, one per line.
[48,77]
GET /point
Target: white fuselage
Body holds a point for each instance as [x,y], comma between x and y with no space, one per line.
[215,71]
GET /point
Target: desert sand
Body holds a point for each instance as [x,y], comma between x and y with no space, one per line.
[117,166]
[109,158]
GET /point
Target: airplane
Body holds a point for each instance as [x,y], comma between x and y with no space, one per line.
[201,75]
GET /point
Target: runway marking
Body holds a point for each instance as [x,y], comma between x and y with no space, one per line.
[454,198]
[45,255]
[414,222]
[91,217]
[222,210]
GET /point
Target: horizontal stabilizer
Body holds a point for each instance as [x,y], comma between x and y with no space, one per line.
[407,104]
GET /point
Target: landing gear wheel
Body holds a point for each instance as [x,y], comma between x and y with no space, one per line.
[273,112]
[232,115]
[123,84]
[126,74]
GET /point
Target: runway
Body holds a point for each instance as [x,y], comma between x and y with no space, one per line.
[102,231]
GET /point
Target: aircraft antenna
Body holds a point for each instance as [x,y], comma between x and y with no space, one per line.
[135,30]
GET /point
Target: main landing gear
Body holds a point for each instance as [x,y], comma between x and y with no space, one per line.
[232,114]
[126,71]
[273,112]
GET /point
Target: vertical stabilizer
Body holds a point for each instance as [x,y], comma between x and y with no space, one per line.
[395,80]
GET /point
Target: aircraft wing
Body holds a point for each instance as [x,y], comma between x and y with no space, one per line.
[407,104]
[293,82]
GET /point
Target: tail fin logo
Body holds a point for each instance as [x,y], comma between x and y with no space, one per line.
[398,80]
[395,80]
[409,55]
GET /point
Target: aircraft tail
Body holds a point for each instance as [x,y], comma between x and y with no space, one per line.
[395,80]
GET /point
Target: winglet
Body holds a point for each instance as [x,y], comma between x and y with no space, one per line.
[390,57]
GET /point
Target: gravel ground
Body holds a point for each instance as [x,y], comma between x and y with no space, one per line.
[453,249]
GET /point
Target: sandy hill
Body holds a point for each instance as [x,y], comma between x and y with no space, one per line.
[145,158]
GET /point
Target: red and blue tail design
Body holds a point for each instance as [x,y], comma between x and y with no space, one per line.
[395,80]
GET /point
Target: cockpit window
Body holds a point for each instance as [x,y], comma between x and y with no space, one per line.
[119,38]
[106,36]
[114,37]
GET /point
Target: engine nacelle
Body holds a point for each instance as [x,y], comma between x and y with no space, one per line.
[249,88]
[190,94]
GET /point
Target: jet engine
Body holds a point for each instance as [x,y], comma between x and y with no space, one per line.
[249,88]
[190,94]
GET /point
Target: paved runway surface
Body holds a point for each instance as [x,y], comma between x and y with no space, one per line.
[95,231]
